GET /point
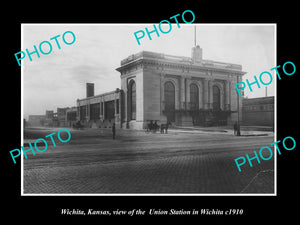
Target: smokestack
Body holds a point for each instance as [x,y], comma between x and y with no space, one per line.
[89,89]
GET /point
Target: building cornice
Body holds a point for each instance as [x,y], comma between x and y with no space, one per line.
[183,66]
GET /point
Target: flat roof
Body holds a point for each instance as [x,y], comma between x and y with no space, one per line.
[260,100]
[100,95]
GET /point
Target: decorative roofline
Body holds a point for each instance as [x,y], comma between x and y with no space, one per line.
[178,61]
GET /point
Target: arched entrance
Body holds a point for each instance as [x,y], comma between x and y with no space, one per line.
[216,98]
[169,92]
[194,97]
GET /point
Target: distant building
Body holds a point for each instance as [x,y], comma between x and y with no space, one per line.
[71,116]
[49,118]
[52,119]
[258,111]
[61,116]
[36,120]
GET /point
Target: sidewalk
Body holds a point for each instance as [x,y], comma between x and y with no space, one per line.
[245,130]
[33,133]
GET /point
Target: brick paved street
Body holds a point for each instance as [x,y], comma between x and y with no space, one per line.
[136,162]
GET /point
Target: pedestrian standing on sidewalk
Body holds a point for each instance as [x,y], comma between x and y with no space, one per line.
[238,131]
[114,130]
[235,128]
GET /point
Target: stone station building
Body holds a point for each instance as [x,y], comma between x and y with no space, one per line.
[185,91]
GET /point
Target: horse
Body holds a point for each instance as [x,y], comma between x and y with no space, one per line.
[164,128]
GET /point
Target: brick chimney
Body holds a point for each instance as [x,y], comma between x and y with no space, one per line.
[89,89]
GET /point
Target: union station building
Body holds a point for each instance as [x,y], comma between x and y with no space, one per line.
[185,91]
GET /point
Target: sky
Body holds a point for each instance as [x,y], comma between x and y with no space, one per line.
[59,78]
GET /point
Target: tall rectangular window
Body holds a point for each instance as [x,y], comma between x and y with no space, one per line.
[94,111]
[132,100]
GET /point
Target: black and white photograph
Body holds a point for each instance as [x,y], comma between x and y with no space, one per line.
[165,114]
[162,117]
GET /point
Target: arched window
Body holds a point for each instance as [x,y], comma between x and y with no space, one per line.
[194,97]
[169,91]
[216,98]
[132,100]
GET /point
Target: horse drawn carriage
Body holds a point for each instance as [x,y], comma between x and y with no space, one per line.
[153,127]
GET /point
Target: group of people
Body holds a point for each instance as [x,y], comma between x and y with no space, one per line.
[153,126]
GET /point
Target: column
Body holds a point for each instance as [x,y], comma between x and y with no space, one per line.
[87,111]
[210,91]
[205,93]
[162,93]
[200,84]
[78,110]
[120,107]
[227,93]
[128,110]
[100,114]
[103,109]
[115,104]
[182,93]
[125,98]
[187,93]
[233,103]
